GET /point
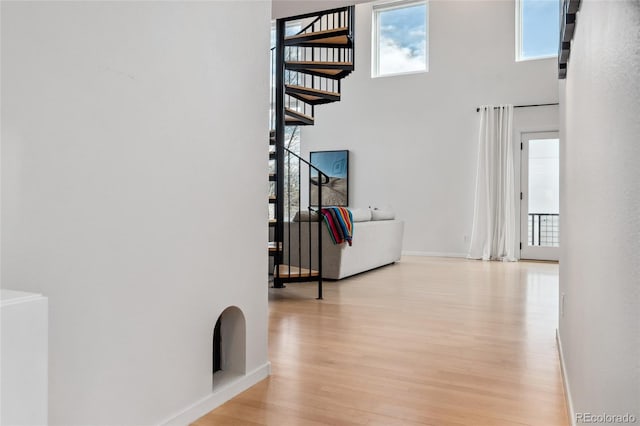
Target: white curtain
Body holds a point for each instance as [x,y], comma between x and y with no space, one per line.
[494,220]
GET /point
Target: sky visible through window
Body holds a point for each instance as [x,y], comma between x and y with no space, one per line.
[403,40]
[540,28]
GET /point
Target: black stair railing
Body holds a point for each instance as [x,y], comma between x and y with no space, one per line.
[302,242]
[340,20]
[544,229]
[306,71]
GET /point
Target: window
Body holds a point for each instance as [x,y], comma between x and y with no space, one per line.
[399,38]
[537,29]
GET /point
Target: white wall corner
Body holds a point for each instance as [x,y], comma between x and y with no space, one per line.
[199,408]
[565,381]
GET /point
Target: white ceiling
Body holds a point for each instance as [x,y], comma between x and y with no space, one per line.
[284,8]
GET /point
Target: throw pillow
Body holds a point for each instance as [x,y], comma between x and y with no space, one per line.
[361,215]
[382,215]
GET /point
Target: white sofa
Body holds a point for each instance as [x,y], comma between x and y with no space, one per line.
[375,243]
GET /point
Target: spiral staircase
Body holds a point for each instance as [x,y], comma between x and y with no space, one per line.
[307,68]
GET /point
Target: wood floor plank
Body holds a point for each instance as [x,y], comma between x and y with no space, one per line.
[427,341]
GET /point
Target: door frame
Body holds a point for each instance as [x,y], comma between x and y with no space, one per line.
[532,252]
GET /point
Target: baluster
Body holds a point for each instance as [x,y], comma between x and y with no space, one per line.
[319,236]
[288,212]
[299,220]
[539,229]
[309,263]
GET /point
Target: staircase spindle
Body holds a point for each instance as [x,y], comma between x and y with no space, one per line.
[289,212]
[319,237]
[279,127]
[300,219]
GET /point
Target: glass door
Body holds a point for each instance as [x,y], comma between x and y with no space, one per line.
[540,196]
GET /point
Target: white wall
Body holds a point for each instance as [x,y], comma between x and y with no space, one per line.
[133,136]
[600,211]
[413,138]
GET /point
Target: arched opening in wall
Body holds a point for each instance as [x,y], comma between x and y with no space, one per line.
[229,347]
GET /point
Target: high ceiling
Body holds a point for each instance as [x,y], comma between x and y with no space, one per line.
[284,8]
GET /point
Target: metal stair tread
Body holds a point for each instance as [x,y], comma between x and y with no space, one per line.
[333,70]
[317,33]
[320,63]
[311,95]
[310,89]
[289,271]
[271,245]
[330,37]
[292,116]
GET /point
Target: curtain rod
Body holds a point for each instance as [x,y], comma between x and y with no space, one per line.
[524,106]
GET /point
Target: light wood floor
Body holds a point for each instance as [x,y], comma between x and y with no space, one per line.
[426,341]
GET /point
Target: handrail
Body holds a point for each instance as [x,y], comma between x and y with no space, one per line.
[311,14]
[294,169]
[319,17]
[307,163]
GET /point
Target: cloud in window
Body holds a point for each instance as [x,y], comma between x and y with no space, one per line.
[402,35]
[395,58]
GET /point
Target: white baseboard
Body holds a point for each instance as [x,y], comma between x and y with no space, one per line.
[432,254]
[218,397]
[565,382]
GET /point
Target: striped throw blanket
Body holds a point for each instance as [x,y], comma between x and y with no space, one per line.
[339,223]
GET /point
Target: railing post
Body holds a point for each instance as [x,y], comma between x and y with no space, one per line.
[319,235]
[299,209]
[288,213]
[352,32]
[280,124]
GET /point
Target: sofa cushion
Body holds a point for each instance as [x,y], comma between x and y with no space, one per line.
[306,216]
[382,215]
[374,244]
[361,215]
